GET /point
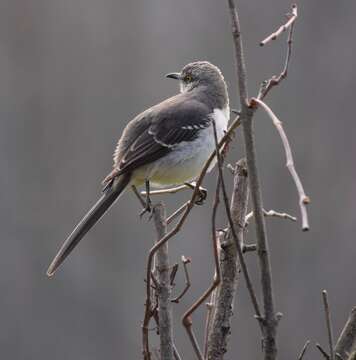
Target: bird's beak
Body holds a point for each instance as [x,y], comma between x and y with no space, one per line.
[176,76]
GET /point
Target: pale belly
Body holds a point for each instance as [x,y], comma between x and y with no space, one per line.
[184,163]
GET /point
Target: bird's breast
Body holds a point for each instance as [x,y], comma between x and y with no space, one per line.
[186,160]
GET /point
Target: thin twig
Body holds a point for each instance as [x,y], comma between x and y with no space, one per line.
[346,343]
[176,353]
[271,213]
[187,317]
[303,199]
[301,355]
[229,263]
[185,262]
[291,19]
[176,213]
[278,214]
[322,351]
[328,324]
[269,319]
[210,309]
[174,271]
[166,191]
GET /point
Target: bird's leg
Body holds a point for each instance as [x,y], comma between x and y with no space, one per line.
[202,193]
[148,207]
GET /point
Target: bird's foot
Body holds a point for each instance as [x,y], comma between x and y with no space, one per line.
[147,209]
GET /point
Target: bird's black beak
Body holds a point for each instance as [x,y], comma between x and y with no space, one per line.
[176,76]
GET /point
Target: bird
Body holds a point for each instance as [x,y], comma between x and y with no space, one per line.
[165,145]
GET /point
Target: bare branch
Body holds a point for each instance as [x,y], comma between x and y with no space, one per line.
[166,191]
[185,262]
[301,355]
[164,288]
[346,343]
[269,319]
[187,317]
[179,211]
[303,199]
[174,271]
[271,213]
[278,214]
[267,85]
[210,308]
[176,353]
[328,324]
[291,19]
[322,351]
[225,294]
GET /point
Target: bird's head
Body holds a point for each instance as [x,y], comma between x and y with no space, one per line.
[199,74]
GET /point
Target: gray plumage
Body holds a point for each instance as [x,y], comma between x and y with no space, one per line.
[165,145]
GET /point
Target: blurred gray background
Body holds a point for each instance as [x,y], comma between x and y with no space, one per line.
[73,73]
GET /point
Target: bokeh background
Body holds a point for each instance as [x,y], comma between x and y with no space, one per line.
[73,73]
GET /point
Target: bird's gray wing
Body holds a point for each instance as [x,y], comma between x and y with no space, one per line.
[171,125]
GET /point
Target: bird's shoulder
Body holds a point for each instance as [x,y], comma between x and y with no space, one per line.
[180,112]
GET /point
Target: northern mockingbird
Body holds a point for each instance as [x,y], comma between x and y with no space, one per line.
[165,145]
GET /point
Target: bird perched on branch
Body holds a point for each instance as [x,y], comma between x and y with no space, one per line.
[167,144]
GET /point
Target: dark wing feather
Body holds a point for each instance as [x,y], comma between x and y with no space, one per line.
[174,121]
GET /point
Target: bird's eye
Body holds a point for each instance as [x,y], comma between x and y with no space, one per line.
[187,78]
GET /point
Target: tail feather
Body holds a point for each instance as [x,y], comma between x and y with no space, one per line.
[89,220]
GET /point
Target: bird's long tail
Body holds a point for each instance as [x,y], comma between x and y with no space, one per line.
[90,219]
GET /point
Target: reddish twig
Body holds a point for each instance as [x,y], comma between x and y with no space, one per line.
[187,317]
[303,199]
[185,262]
[267,85]
[291,19]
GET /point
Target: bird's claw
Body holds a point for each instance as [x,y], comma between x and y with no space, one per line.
[147,209]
